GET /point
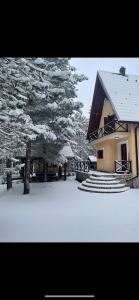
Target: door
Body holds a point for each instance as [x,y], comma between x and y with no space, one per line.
[124,156]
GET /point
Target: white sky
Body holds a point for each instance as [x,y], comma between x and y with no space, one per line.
[89,67]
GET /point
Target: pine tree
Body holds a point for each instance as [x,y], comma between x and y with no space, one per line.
[80,144]
[15,125]
[37,98]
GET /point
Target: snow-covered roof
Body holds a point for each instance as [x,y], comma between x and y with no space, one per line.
[67,151]
[123,92]
[92,158]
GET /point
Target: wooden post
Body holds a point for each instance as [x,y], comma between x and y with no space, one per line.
[45,171]
[115,166]
[59,172]
[65,169]
[27,169]
[130,166]
[22,171]
[84,166]
[9,175]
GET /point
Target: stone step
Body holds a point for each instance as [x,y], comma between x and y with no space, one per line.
[110,175]
[102,178]
[96,190]
[103,186]
[89,180]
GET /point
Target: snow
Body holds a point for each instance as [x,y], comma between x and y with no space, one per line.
[94,184]
[109,181]
[78,158]
[67,151]
[52,105]
[59,212]
[57,90]
[39,61]
[123,91]
[61,74]
[96,190]
[97,173]
[92,158]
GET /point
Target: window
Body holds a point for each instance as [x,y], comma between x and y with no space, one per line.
[100,154]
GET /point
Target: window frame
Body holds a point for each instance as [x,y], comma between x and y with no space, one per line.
[102,151]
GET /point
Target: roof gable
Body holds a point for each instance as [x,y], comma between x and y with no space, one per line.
[123,92]
[97,106]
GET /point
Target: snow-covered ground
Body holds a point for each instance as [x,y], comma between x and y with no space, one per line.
[59,212]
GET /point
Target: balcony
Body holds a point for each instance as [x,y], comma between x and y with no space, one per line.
[111,127]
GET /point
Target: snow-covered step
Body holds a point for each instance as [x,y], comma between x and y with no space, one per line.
[110,175]
[96,190]
[102,178]
[89,180]
[103,185]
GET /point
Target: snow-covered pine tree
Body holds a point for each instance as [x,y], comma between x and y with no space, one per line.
[80,144]
[52,103]
[15,125]
[37,99]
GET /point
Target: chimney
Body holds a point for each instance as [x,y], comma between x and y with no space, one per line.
[122,71]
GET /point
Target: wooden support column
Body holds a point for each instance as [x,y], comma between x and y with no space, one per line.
[65,171]
[84,166]
[45,171]
[59,172]
[27,169]
[9,175]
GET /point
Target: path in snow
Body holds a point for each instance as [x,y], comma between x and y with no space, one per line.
[59,212]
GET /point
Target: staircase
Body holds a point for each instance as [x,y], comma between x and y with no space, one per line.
[106,183]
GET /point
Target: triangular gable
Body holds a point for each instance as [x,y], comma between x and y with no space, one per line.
[97,105]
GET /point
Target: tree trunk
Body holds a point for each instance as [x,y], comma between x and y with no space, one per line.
[59,172]
[65,169]
[9,175]
[45,171]
[27,169]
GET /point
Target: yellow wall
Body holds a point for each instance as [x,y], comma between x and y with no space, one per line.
[107,109]
[110,154]
[111,146]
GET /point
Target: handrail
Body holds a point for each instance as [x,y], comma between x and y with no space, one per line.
[124,166]
[107,129]
[83,166]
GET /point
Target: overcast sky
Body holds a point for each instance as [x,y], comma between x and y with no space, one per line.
[89,67]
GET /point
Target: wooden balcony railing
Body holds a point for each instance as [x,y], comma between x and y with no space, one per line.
[113,126]
[83,166]
[123,166]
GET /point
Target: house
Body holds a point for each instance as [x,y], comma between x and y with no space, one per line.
[114,122]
